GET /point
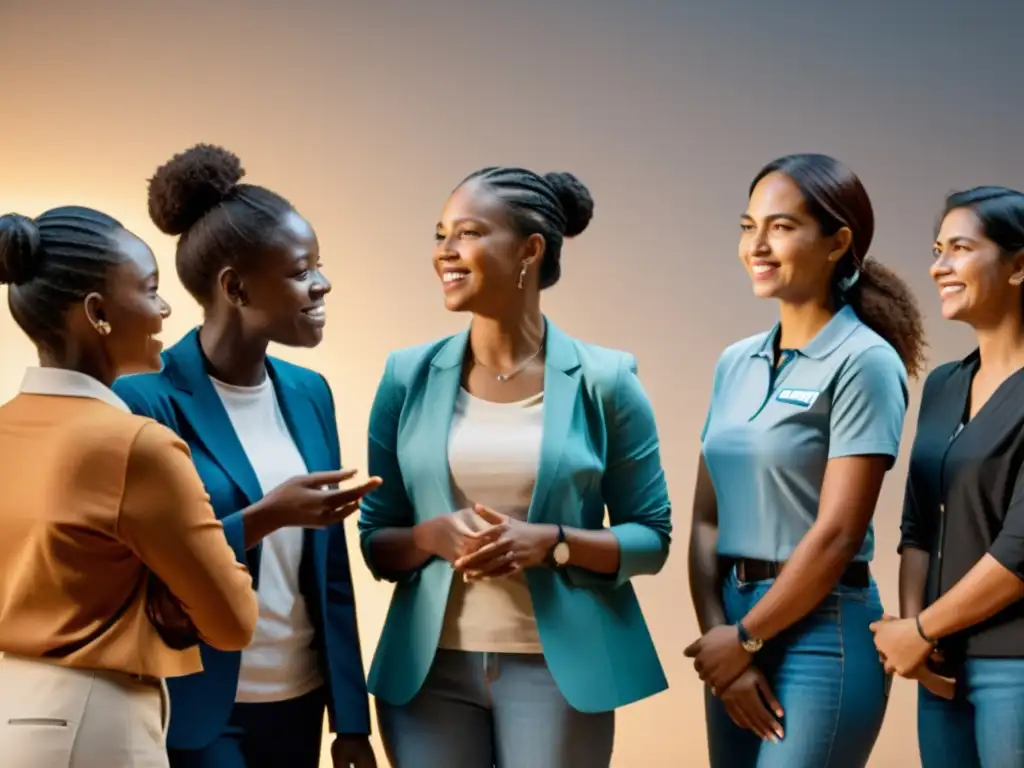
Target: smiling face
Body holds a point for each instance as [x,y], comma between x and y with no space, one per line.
[478,254]
[280,294]
[133,308]
[977,284]
[782,246]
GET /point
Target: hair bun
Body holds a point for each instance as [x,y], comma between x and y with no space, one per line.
[575,199]
[19,249]
[191,183]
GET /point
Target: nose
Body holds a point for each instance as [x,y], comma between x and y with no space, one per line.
[758,244]
[321,286]
[941,267]
[165,309]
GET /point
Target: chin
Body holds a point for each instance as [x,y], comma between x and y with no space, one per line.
[457,304]
[765,290]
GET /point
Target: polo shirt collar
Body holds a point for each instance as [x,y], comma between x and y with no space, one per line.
[61,382]
[836,331]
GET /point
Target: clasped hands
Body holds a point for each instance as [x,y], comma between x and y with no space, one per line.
[728,670]
[903,651]
[483,544]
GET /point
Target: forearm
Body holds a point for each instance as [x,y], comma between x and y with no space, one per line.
[810,574]
[398,550]
[259,521]
[595,551]
[913,578]
[705,576]
[984,591]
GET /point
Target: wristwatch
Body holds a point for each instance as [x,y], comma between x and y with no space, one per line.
[560,552]
[750,644]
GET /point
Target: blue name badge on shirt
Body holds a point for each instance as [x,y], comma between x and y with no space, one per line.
[803,397]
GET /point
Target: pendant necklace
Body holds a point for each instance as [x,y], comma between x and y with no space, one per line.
[515,371]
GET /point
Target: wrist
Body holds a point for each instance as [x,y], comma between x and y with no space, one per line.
[924,631]
[750,643]
[422,538]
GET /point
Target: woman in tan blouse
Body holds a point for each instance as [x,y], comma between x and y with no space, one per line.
[112,564]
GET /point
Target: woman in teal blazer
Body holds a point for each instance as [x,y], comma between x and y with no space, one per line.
[514,631]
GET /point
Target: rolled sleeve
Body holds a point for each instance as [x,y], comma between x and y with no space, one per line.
[915,533]
[388,505]
[869,406]
[1008,547]
[634,487]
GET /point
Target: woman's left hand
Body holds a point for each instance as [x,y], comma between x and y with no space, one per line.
[518,545]
[900,646]
[719,657]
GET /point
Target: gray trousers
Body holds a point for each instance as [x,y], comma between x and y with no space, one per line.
[493,710]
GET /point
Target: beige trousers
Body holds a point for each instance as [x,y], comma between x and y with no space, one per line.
[56,717]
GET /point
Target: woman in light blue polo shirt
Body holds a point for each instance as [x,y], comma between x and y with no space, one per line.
[804,422]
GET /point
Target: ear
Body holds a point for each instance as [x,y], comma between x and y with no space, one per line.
[533,250]
[231,286]
[95,312]
[1017,276]
[842,240]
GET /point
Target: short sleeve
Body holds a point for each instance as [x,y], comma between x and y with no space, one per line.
[1008,547]
[869,406]
[715,386]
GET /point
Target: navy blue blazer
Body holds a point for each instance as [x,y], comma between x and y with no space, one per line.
[182,398]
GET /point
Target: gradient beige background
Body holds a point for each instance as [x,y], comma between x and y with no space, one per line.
[365,114]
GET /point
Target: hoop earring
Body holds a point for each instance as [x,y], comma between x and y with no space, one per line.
[102,327]
[522,276]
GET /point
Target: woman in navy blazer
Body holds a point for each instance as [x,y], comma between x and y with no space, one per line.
[264,439]
[500,449]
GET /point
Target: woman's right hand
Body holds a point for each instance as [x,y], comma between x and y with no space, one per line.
[315,501]
[453,535]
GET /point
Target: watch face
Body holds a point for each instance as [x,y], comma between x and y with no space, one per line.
[561,553]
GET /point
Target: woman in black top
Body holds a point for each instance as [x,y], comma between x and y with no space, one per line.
[962,544]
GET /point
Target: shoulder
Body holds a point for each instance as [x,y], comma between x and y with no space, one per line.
[103,435]
[866,355]
[144,386]
[406,362]
[313,383]
[936,381]
[739,351]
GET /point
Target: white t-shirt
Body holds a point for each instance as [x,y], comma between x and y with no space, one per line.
[280,663]
[493,455]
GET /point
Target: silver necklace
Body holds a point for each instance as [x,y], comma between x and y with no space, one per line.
[515,371]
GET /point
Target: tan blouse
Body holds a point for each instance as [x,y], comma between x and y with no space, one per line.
[92,497]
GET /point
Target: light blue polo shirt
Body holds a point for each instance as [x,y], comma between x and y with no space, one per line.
[770,432]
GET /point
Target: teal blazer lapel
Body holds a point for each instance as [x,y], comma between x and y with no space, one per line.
[443,382]
[302,419]
[561,389]
[206,415]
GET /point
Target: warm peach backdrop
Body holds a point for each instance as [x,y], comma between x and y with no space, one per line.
[365,114]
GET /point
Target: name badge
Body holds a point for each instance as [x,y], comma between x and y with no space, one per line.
[803,397]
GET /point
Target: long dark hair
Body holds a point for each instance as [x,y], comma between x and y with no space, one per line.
[836,198]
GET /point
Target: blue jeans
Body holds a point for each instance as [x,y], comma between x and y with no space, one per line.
[983,727]
[824,671]
[479,710]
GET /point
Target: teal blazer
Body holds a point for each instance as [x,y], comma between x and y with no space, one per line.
[600,449]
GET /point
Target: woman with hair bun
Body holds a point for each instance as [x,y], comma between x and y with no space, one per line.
[264,438]
[514,631]
[111,560]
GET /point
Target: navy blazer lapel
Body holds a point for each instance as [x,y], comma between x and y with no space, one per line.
[303,420]
[207,416]
[561,388]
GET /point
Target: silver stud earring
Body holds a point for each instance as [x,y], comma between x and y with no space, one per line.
[102,327]
[522,276]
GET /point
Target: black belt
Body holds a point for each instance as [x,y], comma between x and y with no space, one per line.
[856,575]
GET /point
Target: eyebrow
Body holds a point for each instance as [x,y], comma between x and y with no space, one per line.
[954,240]
[463,220]
[773,217]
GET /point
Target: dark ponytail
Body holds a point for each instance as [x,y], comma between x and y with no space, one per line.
[882,300]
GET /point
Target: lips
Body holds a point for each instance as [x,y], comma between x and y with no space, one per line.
[951,289]
[453,278]
[762,270]
[317,314]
